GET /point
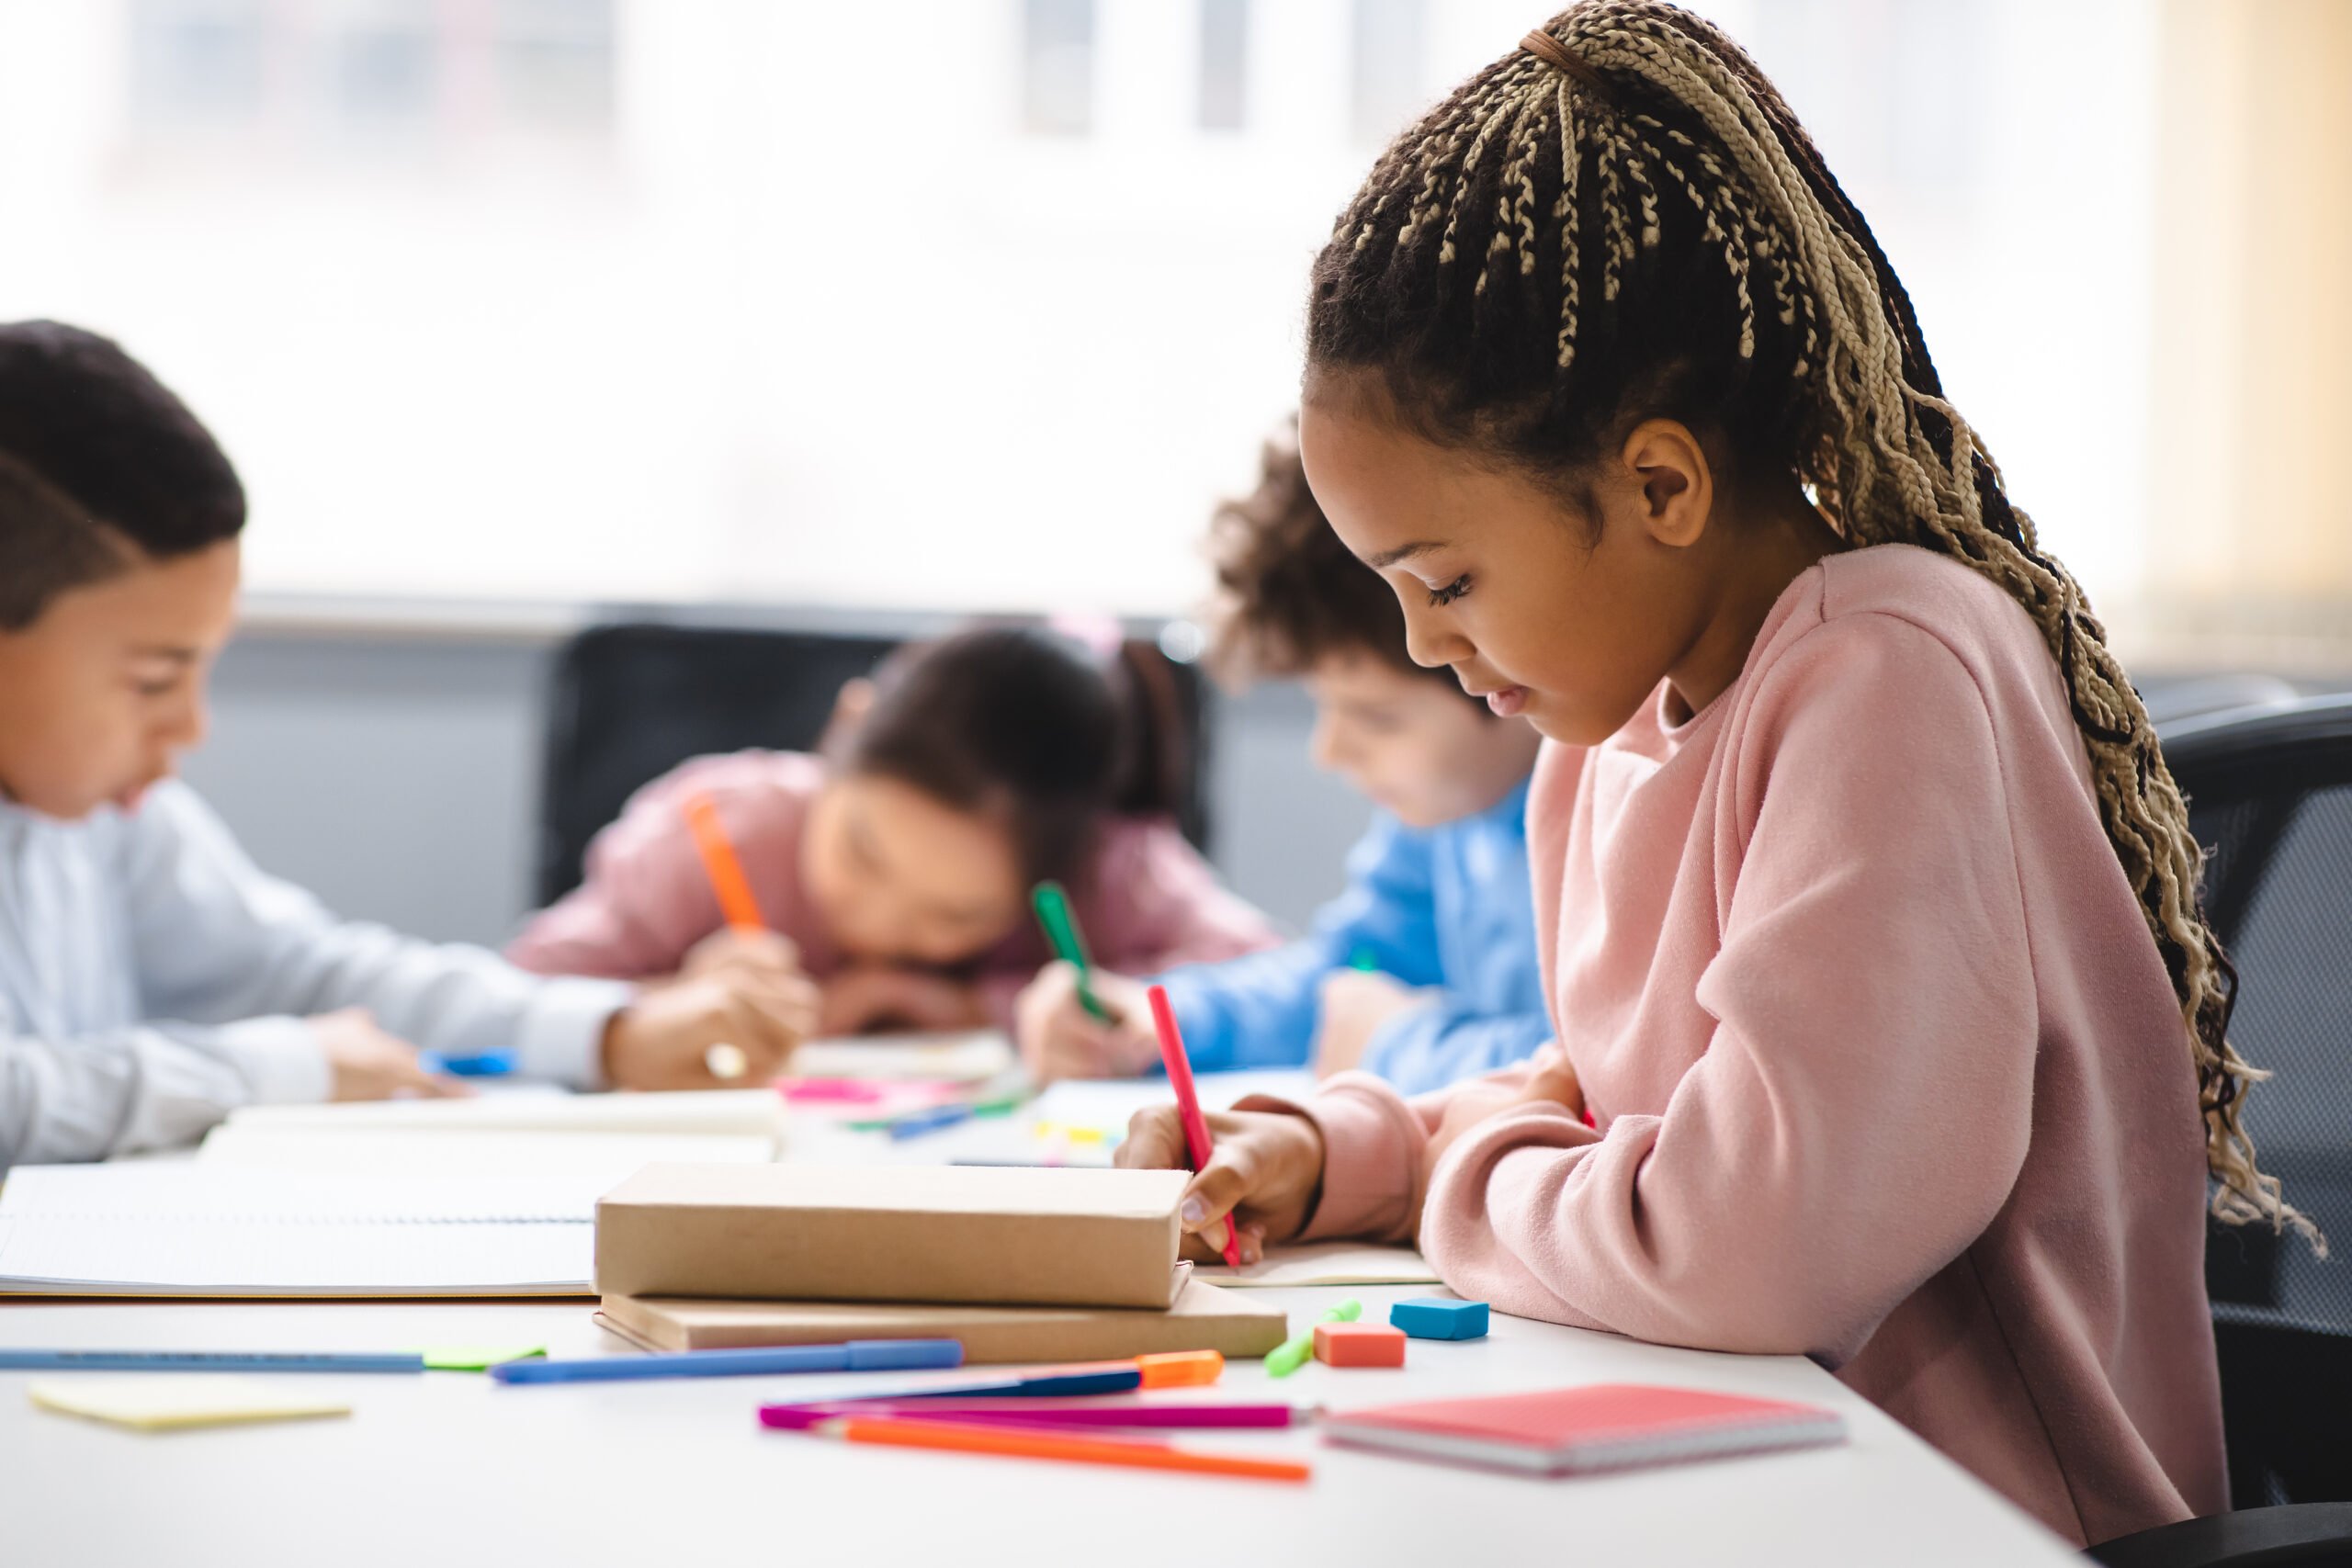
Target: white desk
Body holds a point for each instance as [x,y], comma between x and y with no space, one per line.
[451,1468]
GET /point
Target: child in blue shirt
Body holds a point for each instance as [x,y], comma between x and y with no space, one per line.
[1424,970]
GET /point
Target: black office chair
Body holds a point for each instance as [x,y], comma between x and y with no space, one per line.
[628,701]
[2270,795]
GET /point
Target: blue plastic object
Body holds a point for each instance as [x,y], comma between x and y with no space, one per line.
[483,1064]
[1425,1317]
[857,1356]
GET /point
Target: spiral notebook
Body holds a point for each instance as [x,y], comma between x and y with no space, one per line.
[182,1228]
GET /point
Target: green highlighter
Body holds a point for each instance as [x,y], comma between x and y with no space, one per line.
[1296,1352]
[1062,929]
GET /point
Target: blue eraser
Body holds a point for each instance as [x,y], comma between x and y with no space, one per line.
[1425,1317]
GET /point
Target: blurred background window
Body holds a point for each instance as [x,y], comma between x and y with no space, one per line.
[1224,64]
[981,303]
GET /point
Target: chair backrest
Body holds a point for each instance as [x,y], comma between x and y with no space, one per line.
[630,701]
[2270,796]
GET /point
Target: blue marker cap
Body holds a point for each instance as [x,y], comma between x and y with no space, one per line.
[481,1065]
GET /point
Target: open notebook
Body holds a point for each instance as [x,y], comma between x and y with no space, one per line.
[500,1107]
[176,1228]
[590,1163]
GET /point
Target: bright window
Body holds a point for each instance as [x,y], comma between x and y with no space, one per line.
[945,304]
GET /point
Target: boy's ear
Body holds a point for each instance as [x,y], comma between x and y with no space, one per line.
[1677,487]
[850,705]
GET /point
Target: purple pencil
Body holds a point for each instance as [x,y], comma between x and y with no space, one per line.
[1040,1413]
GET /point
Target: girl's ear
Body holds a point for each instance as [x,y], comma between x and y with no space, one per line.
[1677,487]
[851,705]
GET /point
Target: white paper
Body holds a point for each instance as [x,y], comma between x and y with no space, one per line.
[189,1228]
[961,1056]
[1324,1263]
[1106,1105]
[738,1112]
[598,1161]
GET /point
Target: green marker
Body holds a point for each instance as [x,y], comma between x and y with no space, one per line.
[470,1358]
[1364,961]
[1062,929]
[1296,1352]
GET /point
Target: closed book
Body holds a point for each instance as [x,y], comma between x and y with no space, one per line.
[1601,1427]
[969,1235]
[1202,1318]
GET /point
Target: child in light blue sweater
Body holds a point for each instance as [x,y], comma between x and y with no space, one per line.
[1424,970]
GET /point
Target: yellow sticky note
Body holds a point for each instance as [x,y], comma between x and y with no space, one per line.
[166,1403]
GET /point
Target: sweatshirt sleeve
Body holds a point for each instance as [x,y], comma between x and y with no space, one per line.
[1262,1010]
[644,899]
[236,959]
[147,1086]
[1863,1107]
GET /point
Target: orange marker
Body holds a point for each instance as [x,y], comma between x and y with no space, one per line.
[720,864]
[1006,1441]
[1181,1368]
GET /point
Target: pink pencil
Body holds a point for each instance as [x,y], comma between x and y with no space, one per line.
[1039,1413]
[1188,1102]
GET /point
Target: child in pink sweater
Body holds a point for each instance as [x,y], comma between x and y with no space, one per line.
[894,871]
[1887,1030]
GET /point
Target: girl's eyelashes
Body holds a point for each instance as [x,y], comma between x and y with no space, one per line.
[1452,591]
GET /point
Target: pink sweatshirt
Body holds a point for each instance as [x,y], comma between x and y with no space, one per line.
[1150,901]
[1885,1066]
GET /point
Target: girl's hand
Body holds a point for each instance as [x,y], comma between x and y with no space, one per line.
[1265,1172]
[873,999]
[663,1039]
[1354,1004]
[1059,1039]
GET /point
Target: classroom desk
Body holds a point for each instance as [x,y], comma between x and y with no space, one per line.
[450,1468]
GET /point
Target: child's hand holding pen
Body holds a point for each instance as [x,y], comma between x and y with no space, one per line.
[1264,1174]
[1060,1039]
[740,994]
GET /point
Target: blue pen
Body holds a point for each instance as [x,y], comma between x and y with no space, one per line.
[1118,1379]
[481,1065]
[916,1123]
[207,1362]
[857,1356]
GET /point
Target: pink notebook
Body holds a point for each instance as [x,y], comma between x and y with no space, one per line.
[1570,1431]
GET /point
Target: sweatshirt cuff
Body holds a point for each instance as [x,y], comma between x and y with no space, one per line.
[1371,1144]
[279,1058]
[561,1037]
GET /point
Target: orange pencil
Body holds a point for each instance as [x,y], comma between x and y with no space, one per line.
[720,864]
[979,1439]
[725,1061]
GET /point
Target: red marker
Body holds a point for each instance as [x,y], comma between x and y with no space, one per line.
[1188,1102]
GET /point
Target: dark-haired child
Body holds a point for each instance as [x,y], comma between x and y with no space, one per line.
[152,979]
[895,868]
[1868,906]
[1423,971]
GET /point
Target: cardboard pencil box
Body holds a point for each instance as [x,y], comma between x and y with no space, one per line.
[1233,1323]
[971,1235]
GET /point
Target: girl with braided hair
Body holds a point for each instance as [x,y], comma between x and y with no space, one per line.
[1888,1031]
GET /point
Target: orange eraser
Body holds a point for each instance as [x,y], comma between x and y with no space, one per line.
[1359,1345]
[1181,1368]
